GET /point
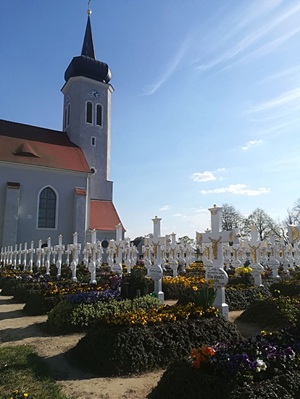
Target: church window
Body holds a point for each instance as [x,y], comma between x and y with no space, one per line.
[93,141]
[89,112]
[47,208]
[99,115]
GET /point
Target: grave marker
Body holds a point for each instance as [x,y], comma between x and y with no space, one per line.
[216,237]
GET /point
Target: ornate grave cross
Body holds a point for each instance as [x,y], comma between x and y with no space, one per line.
[20,252]
[131,254]
[39,252]
[173,254]
[75,249]
[47,251]
[155,270]
[273,262]
[2,256]
[217,273]
[283,255]
[24,253]
[15,255]
[116,251]
[92,251]
[31,252]
[255,247]
[59,250]
[10,255]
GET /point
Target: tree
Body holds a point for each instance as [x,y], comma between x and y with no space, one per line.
[231,218]
[266,226]
[294,214]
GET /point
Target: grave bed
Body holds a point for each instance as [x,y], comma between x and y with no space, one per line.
[115,350]
[181,381]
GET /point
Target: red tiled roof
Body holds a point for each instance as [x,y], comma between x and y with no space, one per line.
[103,215]
[31,145]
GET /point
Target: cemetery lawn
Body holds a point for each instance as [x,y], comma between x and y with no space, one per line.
[23,374]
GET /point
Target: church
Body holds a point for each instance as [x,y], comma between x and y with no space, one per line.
[58,182]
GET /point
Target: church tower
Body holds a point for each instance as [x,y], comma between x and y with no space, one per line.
[87,113]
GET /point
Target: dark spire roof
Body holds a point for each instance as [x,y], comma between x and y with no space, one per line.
[88,44]
[86,64]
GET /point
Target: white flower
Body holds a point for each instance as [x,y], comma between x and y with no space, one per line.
[260,365]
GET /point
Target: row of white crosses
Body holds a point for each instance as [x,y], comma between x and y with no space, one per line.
[92,255]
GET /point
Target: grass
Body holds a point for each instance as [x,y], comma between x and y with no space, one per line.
[23,374]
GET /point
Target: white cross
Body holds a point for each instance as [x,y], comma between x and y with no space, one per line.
[216,236]
[155,271]
[75,249]
[59,250]
[217,273]
[47,251]
[255,246]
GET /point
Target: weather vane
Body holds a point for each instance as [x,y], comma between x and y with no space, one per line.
[89,11]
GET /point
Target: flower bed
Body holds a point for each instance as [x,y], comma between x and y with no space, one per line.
[109,350]
[69,316]
[266,366]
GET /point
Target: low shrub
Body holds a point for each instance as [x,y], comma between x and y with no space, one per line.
[136,283]
[37,304]
[272,313]
[117,350]
[68,316]
[238,297]
[289,288]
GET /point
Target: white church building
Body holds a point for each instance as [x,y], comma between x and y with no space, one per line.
[57,182]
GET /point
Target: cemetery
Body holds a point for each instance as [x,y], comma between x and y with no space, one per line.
[167,307]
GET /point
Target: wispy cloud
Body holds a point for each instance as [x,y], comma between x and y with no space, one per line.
[253,38]
[284,99]
[250,144]
[171,67]
[237,189]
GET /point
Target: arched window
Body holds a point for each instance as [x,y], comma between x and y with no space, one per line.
[89,112]
[99,115]
[47,208]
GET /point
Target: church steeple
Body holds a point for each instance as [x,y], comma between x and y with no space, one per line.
[88,44]
[87,113]
[86,64]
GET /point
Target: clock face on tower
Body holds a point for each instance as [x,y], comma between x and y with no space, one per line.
[94,94]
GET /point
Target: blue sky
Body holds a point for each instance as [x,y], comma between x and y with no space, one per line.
[206,108]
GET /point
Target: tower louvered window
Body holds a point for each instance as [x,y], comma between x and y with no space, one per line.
[89,112]
[99,115]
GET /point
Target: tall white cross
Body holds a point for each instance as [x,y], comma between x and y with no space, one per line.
[255,247]
[75,249]
[59,250]
[217,273]
[155,270]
